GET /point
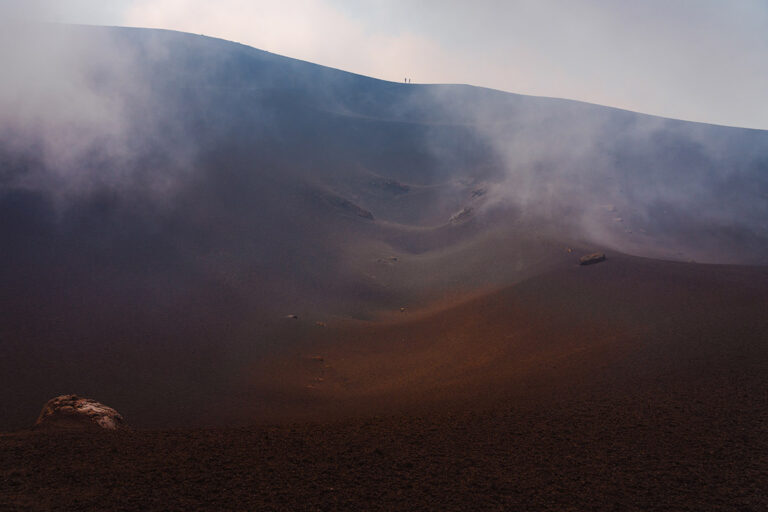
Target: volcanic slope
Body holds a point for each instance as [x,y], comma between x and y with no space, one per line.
[628,329]
[152,253]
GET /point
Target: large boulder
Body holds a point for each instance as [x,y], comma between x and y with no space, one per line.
[73,412]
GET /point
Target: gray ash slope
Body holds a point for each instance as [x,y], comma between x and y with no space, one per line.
[159,224]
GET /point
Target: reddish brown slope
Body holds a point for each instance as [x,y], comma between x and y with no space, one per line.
[628,327]
[629,385]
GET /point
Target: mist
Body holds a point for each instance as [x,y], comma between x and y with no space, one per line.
[634,183]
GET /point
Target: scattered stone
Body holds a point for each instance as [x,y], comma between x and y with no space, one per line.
[320,324]
[392,186]
[292,317]
[403,309]
[72,412]
[461,215]
[590,259]
[478,192]
[349,206]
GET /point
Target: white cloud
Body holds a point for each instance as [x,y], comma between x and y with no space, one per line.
[94,12]
[702,60]
[312,30]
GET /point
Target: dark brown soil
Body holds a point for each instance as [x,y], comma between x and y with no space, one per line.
[580,456]
[630,385]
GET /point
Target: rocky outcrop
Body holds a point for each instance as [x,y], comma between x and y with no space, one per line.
[78,413]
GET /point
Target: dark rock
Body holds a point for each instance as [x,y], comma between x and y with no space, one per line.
[77,413]
[349,206]
[388,261]
[590,259]
[461,215]
[392,186]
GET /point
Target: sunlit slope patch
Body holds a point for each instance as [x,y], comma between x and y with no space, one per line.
[623,330]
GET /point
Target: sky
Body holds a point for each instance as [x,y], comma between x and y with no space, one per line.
[698,60]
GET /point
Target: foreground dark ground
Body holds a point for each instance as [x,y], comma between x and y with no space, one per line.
[631,385]
[672,455]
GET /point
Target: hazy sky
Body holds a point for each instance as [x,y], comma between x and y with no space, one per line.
[701,60]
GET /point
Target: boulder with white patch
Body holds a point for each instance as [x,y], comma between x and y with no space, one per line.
[73,412]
